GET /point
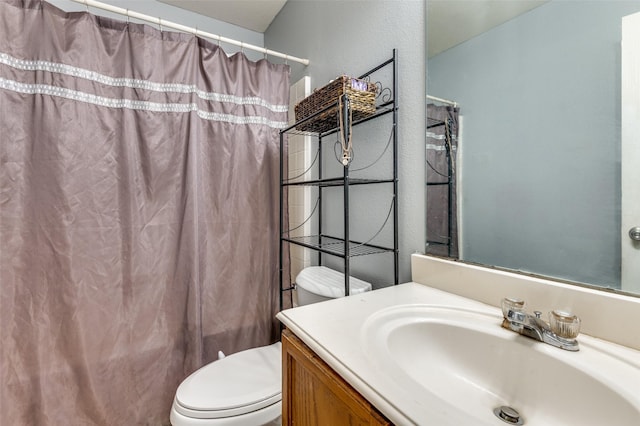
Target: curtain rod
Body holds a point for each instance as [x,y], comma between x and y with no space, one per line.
[163,23]
[444,101]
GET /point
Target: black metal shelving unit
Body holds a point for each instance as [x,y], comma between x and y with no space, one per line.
[342,246]
[433,123]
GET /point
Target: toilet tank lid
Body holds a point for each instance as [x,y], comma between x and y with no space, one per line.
[327,282]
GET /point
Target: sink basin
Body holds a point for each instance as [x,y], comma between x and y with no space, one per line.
[467,362]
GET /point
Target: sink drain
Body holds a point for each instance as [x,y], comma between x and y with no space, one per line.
[508,415]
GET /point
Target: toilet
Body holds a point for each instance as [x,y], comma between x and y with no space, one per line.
[238,390]
[319,283]
[245,389]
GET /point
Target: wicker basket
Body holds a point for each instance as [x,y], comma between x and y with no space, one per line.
[361,94]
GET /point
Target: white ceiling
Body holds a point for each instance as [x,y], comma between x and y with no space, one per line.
[451,22]
[255,15]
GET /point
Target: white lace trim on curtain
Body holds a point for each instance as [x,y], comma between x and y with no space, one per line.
[44,89]
[433,147]
[53,67]
[440,137]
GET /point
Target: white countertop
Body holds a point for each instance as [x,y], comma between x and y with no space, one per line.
[333,330]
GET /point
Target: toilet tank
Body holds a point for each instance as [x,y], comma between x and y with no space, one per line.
[319,283]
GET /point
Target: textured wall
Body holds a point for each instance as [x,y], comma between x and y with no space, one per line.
[350,37]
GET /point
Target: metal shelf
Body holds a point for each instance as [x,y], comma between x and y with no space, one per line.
[335,246]
[339,181]
[380,111]
[343,246]
[432,122]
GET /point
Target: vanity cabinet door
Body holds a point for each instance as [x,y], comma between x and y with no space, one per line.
[314,394]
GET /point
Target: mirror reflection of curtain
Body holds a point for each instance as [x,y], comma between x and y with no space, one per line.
[441,152]
[139,181]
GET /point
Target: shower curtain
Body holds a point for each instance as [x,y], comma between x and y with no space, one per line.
[442,206]
[139,175]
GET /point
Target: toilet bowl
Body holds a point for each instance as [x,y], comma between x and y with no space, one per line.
[238,390]
[245,389]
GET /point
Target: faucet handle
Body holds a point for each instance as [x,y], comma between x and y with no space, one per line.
[511,304]
[564,324]
[516,317]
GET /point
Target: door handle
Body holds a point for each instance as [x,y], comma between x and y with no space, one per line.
[634,233]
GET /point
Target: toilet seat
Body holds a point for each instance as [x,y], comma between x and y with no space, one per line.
[241,383]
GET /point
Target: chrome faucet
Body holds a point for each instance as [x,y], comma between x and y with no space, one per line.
[561,331]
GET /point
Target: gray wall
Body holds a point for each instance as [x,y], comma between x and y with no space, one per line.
[351,37]
[540,99]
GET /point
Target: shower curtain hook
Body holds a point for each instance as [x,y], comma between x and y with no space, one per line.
[160,24]
[86,5]
[128,17]
[242,47]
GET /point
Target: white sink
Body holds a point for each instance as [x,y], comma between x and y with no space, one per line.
[471,365]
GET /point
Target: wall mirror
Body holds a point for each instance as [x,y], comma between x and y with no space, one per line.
[526,157]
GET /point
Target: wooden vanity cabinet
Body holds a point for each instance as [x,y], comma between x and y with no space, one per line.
[314,394]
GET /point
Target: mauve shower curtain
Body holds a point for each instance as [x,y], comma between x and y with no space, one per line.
[139,176]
